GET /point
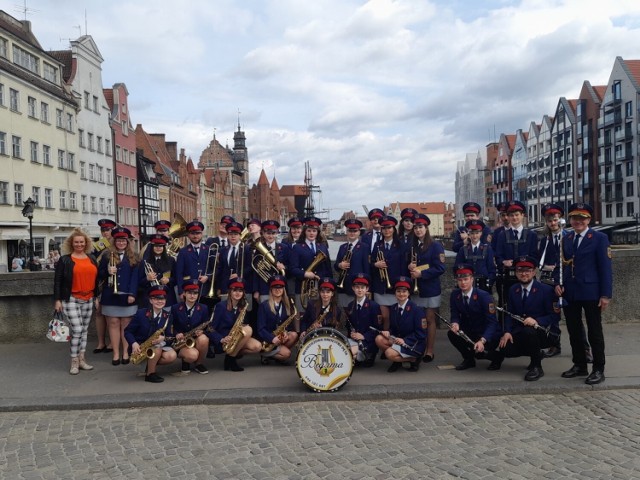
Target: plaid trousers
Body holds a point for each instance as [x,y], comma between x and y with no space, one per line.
[78,313]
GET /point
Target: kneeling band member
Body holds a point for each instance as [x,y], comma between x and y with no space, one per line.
[536,306]
[146,331]
[276,317]
[323,312]
[362,314]
[473,312]
[230,334]
[406,338]
[189,319]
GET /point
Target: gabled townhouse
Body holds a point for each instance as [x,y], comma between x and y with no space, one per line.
[539,167]
[38,145]
[563,156]
[519,168]
[502,174]
[490,187]
[150,208]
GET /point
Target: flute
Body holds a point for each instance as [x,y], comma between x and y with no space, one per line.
[460,333]
[546,330]
[394,338]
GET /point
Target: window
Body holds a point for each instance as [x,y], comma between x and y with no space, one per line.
[125,128]
[630,209]
[17,193]
[95,104]
[83,171]
[16,145]
[87,99]
[25,59]
[101,205]
[83,200]
[3,143]
[72,201]
[117,153]
[119,182]
[46,155]
[629,189]
[34,152]
[616,91]
[81,137]
[100,174]
[92,172]
[71,161]
[618,210]
[35,195]
[132,159]
[90,141]
[107,147]
[121,214]
[99,144]
[629,169]
[44,112]
[48,198]
[59,118]
[94,208]
[3,47]
[31,107]
[50,72]
[109,177]
[14,100]
[4,193]
[70,122]
[110,206]
[60,158]
[1,94]
[63,199]
[126,186]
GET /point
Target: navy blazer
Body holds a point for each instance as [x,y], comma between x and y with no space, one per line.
[268,321]
[143,325]
[183,321]
[127,277]
[541,305]
[483,262]
[509,249]
[190,265]
[302,256]
[226,269]
[223,321]
[397,265]
[360,321]
[589,276]
[409,327]
[478,319]
[429,281]
[359,263]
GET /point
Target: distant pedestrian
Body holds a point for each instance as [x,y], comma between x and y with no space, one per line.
[16,264]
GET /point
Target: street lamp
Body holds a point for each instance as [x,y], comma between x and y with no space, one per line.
[145,216]
[27,211]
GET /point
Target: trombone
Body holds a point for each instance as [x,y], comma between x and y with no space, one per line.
[213,252]
[384,272]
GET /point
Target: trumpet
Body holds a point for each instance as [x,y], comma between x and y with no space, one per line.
[384,272]
[113,278]
[343,273]
[414,260]
[213,251]
[309,287]
[148,269]
[264,263]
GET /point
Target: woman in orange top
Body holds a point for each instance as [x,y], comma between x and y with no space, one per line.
[75,290]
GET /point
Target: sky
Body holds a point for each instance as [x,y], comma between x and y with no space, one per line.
[382,97]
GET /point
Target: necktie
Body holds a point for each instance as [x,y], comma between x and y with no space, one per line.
[223,243]
[387,246]
[557,240]
[232,259]
[475,250]
[313,247]
[401,311]
[197,251]
[576,242]
[349,247]
[466,300]
[525,294]
[515,233]
[359,307]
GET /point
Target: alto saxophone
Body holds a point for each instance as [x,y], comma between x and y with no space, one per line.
[314,325]
[189,339]
[147,351]
[309,288]
[236,333]
[281,329]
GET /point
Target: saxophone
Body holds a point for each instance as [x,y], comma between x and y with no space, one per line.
[309,288]
[282,328]
[147,351]
[314,325]
[236,333]
[189,339]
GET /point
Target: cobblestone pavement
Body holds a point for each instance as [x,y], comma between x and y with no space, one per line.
[575,435]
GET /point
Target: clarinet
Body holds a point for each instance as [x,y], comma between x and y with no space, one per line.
[394,338]
[460,333]
[547,330]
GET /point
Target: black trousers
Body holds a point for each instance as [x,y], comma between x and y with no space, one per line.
[526,343]
[465,349]
[592,313]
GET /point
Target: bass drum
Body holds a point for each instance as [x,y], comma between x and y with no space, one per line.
[324,362]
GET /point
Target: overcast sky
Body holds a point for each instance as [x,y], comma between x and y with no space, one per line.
[382,97]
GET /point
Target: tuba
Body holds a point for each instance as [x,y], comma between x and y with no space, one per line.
[264,263]
[309,288]
[236,333]
[177,232]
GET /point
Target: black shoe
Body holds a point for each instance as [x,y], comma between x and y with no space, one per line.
[115,363]
[534,374]
[495,365]
[153,378]
[186,368]
[368,363]
[264,360]
[201,369]
[394,367]
[382,356]
[230,363]
[428,358]
[125,361]
[415,366]
[597,376]
[466,364]
[575,371]
[552,352]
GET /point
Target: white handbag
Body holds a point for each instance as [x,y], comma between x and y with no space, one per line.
[58,330]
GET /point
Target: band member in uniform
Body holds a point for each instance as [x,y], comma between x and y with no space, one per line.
[405,339]
[425,274]
[362,314]
[479,255]
[373,236]
[295,230]
[352,259]
[254,225]
[513,242]
[537,304]
[588,286]
[119,269]
[473,314]
[504,223]
[144,324]
[75,290]
[106,225]
[405,231]
[271,314]
[162,228]
[388,261]
[221,240]
[234,261]
[158,269]
[280,254]
[225,315]
[193,262]
[471,212]
[310,244]
[185,317]
[323,312]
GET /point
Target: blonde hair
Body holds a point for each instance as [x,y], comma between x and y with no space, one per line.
[67,245]
[128,251]
[285,302]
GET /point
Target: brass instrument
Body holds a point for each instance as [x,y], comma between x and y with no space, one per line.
[264,263]
[177,232]
[384,272]
[147,350]
[113,278]
[236,333]
[100,245]
[561,301]
[309,287]
[189,339]
[343,273]
[314,325]
[213,251]
[244,235]
[414,260]
[149,269]
[282,328]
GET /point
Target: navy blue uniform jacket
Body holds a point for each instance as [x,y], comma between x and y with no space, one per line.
[479,318]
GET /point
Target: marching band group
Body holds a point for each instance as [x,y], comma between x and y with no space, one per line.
[193,298]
